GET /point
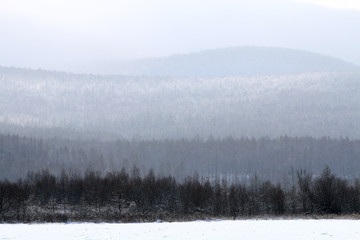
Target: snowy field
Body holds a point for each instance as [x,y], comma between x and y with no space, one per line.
[241,229]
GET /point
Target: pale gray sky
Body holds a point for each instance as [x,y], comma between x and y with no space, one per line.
[58,34]
[341,4]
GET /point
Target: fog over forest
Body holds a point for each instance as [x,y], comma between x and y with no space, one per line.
[315,96]
[235,91]
[235,160]
[272,112]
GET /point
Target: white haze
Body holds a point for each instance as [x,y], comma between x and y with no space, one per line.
[66,35]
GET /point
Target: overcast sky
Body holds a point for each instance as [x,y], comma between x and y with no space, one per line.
[60,34]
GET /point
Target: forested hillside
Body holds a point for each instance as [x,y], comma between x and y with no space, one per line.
[111,107]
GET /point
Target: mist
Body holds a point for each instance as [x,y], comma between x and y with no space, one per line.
[72,35]
[136,110]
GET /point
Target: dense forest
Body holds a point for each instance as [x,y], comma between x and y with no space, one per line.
[119,196]
[234,158]
[316,104]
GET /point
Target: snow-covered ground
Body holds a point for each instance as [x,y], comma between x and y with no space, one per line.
[241,229]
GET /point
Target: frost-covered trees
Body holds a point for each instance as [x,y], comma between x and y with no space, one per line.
[118,196]
[110,107]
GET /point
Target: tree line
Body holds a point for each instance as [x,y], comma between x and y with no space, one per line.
[270,159]
[128,196]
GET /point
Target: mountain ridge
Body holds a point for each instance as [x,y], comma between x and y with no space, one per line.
[224,62]
[228,62]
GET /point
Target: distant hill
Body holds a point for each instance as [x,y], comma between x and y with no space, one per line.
[239,61]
